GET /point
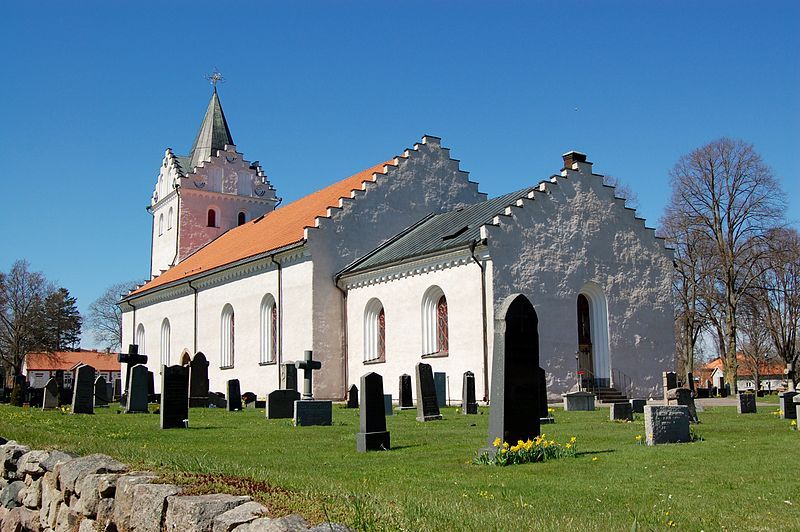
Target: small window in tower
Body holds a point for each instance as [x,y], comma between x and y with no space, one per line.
[169,219]
[161,224]
[242,218]
[212,218]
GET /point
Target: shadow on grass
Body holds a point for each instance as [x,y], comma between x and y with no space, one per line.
[398,447]
[581,453]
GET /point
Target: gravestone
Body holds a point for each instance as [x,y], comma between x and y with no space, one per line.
[387,403]
[234,395]
[746,403]
[101,398]
[151,387]
[670,381]
[117,390]
[280,404]
[406,401]
[690,381]
[198,381]
[637,405]
[50,398]
[175,397]
[307,411]
[83,390]
[249,399]
[468,403]
[288,377]
[427,402]
[352,397]
[137,390]
[515,410]
[440,381]
[578,402]
[544,413]
[62,396]
[683,397]
[797,403]
[372,435]
[702,393]
[217,400]
[621,412]
[787,406]
[130,359]
[666,424]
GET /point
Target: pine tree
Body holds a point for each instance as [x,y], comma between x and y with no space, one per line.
[62,321]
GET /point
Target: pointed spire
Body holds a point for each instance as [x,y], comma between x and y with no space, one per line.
[213,135]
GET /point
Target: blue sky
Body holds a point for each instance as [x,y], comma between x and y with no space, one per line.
[95,91]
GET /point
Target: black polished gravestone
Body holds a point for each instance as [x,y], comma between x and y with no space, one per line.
[746,403]
[406,402]
[515,410]
[151,388]
[137,390]
[352,397]
[387,404]
[83,390]
[198,381]
[468,403]
[63,396]
[280,404]
[427,403]
[174,397]
[440,381]
[234,395]
[130,359]
[50,397]
[373,435]
[101,398]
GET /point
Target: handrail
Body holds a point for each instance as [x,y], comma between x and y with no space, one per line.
[622,382]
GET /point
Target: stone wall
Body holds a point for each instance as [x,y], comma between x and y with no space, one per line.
[55,491]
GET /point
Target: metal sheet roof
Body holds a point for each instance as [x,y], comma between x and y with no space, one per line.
[437,233]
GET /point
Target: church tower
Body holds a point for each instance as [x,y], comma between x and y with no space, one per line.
[201,195]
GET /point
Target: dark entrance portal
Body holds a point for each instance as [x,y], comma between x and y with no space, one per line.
[585,356]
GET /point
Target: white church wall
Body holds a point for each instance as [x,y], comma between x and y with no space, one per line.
[424,180]
[401,297]
[572,234]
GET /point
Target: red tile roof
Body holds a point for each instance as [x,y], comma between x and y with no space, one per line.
[67,360]
[743,370]
[279,228]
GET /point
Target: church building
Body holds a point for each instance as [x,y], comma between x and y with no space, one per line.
[400,263]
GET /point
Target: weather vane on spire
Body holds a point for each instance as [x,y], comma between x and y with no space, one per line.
[215,77]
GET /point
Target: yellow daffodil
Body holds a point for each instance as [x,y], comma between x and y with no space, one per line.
[497,442]
[573,439]
[505,445]
[594,459]
[503,451]
[569,446]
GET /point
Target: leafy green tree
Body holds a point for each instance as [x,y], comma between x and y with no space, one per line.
[61,322]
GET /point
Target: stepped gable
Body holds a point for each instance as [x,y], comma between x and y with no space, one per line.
[277,229]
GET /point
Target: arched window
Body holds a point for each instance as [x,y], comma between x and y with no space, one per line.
[165,342]
[435,326]
[242,218]
[269,330]
[212,218]
[169,219]
[140,338]
[161,224]
[227,337]
[374,332]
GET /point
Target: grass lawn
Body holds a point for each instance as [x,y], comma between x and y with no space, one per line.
[743,476]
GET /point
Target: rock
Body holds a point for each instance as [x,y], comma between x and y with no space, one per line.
[51,499]
[91,489]
[243,513]
[123,500]
[151,506]
[32,497]
[105,514]
[30,463]
[71,472]
[87,525]
[21,520]
[55,458]
[10,453]
[288,523]
[66,520]
[331,527]
[197,512]
[3,441]
[10,496]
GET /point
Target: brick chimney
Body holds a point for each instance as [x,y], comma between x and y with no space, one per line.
[575,160]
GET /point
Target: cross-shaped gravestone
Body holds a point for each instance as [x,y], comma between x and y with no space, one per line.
[308,366]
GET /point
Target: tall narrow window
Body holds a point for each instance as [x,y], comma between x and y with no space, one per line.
[161,224]
[269,330]
[435,323]
[212,218]
[140,339]
[227,337]
[165,342]
[374,332]
[169,218]
[241,219]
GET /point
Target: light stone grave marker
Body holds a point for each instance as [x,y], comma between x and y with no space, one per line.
[578,402]
[288,376]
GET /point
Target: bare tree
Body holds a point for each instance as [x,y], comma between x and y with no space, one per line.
[725,191]
[105,316]
[757,349]
[22,297]
[622,190]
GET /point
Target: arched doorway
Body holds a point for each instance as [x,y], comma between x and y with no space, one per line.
[594,358]
[515,400]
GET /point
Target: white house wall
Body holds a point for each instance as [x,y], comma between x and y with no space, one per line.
[576,232]
[402,304]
